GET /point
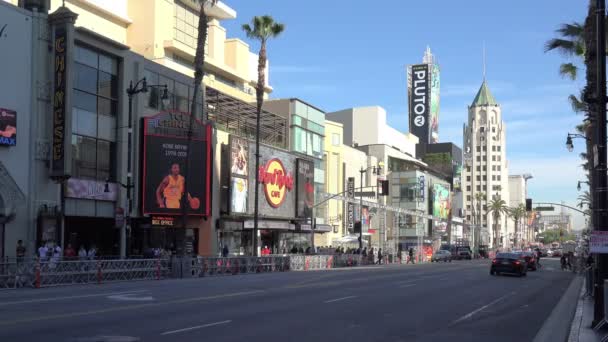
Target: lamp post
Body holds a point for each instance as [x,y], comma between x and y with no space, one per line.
[140,86]
[600,181]
[569,144]
[578,186]
[376,171]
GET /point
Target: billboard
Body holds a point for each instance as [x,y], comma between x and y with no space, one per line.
[277,181]
[434,115]
[8,127]
[305,189]
[350,207]
[239,173]
[441,201]
[176,169]
[419,104]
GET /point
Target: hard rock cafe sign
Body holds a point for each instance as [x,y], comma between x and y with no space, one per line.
[277,181]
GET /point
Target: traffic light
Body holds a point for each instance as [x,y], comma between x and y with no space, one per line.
[528,204]
[358,227]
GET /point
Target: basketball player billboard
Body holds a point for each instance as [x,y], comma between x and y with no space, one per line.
[176,170]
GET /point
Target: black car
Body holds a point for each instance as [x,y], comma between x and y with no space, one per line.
[509,263]
[464,253]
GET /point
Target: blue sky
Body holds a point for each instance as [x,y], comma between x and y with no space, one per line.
[347,53]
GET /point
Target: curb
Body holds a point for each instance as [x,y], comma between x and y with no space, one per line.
[575,327]
[554,329]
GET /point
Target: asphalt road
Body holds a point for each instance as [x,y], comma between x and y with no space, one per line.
[457,301]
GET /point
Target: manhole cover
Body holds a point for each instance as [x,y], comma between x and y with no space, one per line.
[108,339]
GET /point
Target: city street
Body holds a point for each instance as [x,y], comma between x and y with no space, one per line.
[429,302]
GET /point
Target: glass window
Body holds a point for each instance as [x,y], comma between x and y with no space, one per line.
[493,148]
[151,97]
[185,24]
[493,158]
[83,157]
[485,158]
[316,116]
[86,78]
[85,101]
[478,177]
[468,197]
[86,56]
[478,148]
[484,167]
[478,188]
[478,158]
[468,178]
[107,85]
[84,122]
[493,167]
[485,148]
[498,148]
[296,120]
[468,188]
[106,106]
[301,109]
[335,139]
[478,168]
[108,64]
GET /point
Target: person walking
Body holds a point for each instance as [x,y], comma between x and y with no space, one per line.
[411,256]
[69,252]
[20,251]
[225,251]
[380,256]
[538,256]
[42,252]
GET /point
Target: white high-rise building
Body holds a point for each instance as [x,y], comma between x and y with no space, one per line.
[485,174]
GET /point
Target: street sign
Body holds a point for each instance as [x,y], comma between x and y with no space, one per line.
[365,194]
[544,209]
[598,242]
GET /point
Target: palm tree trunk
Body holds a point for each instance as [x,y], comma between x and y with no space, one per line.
[259,102]
[589,93]
[199,62]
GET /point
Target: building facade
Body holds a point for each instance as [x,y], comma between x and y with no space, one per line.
[423,89]
[486,168]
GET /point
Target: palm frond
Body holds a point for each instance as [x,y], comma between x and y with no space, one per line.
[577,105]
[568,70]
[573,30]
[564,46]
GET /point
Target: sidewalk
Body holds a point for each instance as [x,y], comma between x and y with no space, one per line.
[580,330]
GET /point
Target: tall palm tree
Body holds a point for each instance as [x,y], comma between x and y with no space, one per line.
[584,200]
[517,213]
[199,62]
[497,207]
[199,57]
[262,29]
[571,44]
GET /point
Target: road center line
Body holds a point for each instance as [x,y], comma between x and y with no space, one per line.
[339,299]
[470,314]
[52,299]
[195,327]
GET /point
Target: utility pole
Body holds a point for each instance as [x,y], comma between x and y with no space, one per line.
[599,146]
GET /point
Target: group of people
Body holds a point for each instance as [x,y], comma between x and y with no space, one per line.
[51,251]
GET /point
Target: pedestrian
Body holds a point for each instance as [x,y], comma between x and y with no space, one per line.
[294,249]
[380,256]
[538,255]
[82,253]
[92,253]
[308,250]
[20,251]
[42,252]
[563,262]
[225,251]
[411,256]
[364,252]
[301,250]
[69,252]
[569,260]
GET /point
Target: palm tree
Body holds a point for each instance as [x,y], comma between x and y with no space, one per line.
[517,213]
[199,57]
[497,207]
[262,28]
[571,44]
[199,62]
[584,200]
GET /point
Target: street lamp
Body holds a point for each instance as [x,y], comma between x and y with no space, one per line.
[578,186]
[569,144]
[376,170]
[140,86]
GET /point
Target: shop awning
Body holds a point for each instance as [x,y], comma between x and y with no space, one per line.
[319,228]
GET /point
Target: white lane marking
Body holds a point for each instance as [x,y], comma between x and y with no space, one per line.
[339,299]
[70,297]
[129,297]
[195,327]
[407,285]
[470,314]
[407,281]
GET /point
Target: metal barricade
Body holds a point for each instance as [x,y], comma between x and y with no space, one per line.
[217,266]
[15,274]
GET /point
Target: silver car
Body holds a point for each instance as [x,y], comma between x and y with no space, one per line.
[442,255]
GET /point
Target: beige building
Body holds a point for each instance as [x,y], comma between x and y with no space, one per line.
[166,31]
[486,168]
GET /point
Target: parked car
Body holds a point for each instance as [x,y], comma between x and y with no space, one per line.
[531,261]
[442,255]
[509,263]
[544,252]
[557,253]
[465,253]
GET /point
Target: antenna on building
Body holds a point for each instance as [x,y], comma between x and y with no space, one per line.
[484,60]
[428,56]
